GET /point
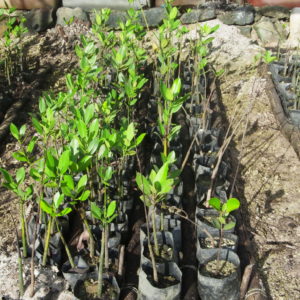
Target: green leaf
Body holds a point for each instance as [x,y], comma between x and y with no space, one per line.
[37,125]
[82,182]
[129,134]
[93,146]
[6,175]
[108,174]
[162,174]
[82,129]
[84,195]
[31,145]
[64,162]
[29,191]
[229,226]
[140,138]
[96,211]
[46,208]
[173,13]
[232,204]
[68,180]
[35,174]
[20,156]
[176,86]
[20,175]
[215,203]
[143,184]
[58,199]
[166,92]
[64,212]
[111,209]
[14,131]
[22,130]
[51,161]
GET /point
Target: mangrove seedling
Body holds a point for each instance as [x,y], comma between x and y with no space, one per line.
[17,186]
[105,214]
[154,189]
[222,221]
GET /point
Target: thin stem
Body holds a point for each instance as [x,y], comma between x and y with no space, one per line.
[22,221]
[65,244]
[47,240]
[101,260]
[156,249]
[91,239]
[106,255]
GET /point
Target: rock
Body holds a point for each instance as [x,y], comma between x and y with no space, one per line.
[115,18]
[239,16]
[208,13]
[277,12]
[245,31]
[154,16]
[191,17]
[65,14]
[39,19]
[66,295]
[267,33]
[294,37]
[282,28]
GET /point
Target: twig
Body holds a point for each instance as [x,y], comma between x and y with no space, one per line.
[121,260]
[245,280]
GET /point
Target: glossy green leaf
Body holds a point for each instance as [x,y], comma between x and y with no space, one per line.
[96,211]
[176,86]
[64,162]
[232,204]
[229,226]
[166,92]
[82,182]
[20,156]
[14,131]
[58,199]
[64,212]
[37,125]
[85,195]
[6,175]
[46,208]
[20,175]
[69,181]
[111,209]
[215,203]
[143,184]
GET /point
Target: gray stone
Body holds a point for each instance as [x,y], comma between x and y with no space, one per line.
[277,12]
[267,33]
[65,14]
[208,13]
[66,295]
[115,18]
[294,37]
[154,16]
[245,31]
[40,19]
[198,15]
[282,29]
[191,17]
[239,16]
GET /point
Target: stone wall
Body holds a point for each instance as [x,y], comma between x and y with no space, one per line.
[267,26]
